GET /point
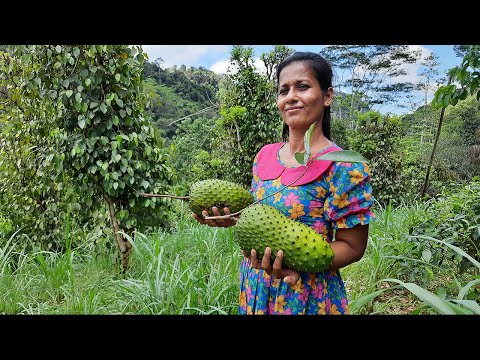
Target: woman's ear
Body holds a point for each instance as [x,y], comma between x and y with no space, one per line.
[328,97]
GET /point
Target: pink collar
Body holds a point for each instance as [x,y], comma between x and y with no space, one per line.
[270,168]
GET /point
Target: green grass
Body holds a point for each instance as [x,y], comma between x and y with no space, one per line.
[193,269]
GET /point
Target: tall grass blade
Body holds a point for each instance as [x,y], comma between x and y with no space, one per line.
[365,299]
[469,304]
[437,303]
[453,247]
[463,291]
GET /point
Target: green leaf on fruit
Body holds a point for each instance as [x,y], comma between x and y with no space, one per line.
[302,157]
[343,156]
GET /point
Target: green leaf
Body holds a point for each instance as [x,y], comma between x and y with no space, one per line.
[427,255]
[69,93]
[471,305]
[453,247]
[117,77]
[463,291]
[300,157]
[119,102]
[365,299]
[81,123]
[122,214]
[440,305]
[57,65]
[58,48]
[343,156]
[307,140]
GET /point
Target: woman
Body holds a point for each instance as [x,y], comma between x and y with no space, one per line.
[334,198]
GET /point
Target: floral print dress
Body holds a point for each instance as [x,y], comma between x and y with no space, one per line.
[330,195]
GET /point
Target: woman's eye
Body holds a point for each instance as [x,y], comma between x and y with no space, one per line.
[283,91]
[303,86]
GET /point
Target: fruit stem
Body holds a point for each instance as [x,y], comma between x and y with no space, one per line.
[168,196]
[256,202]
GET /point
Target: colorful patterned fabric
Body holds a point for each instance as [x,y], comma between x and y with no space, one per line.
[339,197]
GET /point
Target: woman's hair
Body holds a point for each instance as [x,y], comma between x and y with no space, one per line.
[323,73]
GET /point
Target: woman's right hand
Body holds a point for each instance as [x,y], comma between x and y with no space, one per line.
[216,222]
[276,270]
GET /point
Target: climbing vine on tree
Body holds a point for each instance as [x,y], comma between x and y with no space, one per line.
[109,148]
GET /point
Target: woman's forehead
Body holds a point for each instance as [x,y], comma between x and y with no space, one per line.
[296,72]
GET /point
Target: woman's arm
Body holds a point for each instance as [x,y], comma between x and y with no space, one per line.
[349,245]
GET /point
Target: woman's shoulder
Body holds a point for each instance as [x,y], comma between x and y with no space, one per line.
[268,152]
[358,170]
[273,147]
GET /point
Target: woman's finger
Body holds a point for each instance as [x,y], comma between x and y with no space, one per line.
[198,218]
[290,276]
[254,259]
[266,263]
[277,265]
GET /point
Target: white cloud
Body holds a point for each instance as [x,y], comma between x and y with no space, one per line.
[188,55]
[260,66]
[220,67]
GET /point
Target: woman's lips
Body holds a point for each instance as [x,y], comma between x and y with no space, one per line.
[293,109]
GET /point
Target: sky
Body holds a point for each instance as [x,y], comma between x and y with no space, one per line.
[216,58]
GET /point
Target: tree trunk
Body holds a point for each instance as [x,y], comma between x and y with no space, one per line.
[437,135]
[124,245]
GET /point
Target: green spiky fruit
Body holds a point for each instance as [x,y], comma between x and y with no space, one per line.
[205,194]
[304,249]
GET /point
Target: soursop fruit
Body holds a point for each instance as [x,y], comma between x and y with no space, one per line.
[220,193]
[304,249]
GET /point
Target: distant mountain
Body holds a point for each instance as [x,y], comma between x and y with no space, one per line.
[178,92]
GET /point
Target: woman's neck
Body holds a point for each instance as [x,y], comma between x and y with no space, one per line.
[297,144]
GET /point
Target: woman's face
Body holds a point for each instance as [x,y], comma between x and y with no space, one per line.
[300,99]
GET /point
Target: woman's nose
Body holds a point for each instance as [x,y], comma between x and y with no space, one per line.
[291,96]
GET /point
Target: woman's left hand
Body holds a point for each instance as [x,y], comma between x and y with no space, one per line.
[289,276]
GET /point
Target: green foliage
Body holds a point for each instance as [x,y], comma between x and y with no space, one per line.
[453,217]
[247,131]
[339,132]
[195,155]
[459,147]
[35,193]
[88,102]
[168,107]
[465,80]
[465,302]
[377,139]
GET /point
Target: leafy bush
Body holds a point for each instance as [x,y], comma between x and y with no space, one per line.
[453,217]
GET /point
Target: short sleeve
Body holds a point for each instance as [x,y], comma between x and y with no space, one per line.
[255,178]
[350,195]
